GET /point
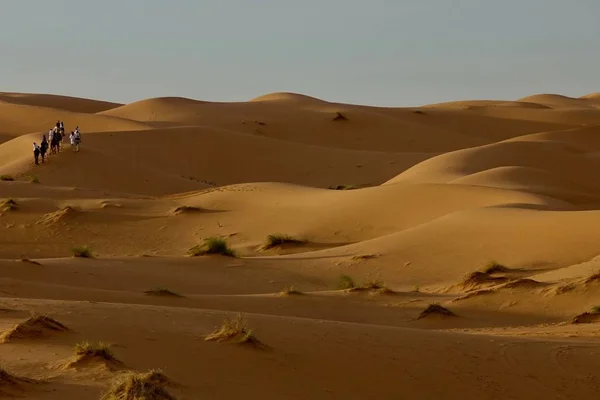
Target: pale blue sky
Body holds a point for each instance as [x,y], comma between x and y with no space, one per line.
[380,52]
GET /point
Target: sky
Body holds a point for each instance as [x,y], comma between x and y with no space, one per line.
[376,52]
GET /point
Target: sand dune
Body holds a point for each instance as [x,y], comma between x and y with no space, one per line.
[409,204]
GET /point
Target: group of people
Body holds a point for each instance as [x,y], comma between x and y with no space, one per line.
[54,142]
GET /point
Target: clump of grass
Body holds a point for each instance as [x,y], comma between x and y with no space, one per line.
[6,178]
[212,245]
[139,386]
[186,210]
[82,252]
[290,291]
[342,187]
[94,350]
[587,317]
[235,330]
[340,117]
[494,268]
[365,257]
[162,292]
[278,240]
[33,179]
[436,309]
[373,284]
[9,205]
[346,282]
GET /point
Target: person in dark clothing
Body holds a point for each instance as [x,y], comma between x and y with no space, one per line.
[43,148]
[36,152]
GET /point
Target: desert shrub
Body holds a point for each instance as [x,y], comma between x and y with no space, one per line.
[493,268]
[94,349]
[235,330]
[82,252]
[346,282]
[139,386]
[9,205]
[212,245]
[6,178]
[277,240]
[162,292]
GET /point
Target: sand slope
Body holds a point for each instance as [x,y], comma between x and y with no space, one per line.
[410,203]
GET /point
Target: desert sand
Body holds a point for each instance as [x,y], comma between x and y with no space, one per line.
[467,233]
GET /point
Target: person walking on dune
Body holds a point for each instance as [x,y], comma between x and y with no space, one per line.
[44,148]
[36,152]
[75,140]
[52,143]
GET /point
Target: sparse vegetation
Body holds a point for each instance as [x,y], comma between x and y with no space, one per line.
[436,309]
[373,284]
[94,350]
[340,117]
[33,327]
[290,291]
[6,178]
[346,282]
[278,240]
[139,386]
[365,257]
[187,210]
[162,292]
[33,179]
[9,205]
[494,268]
[588,317]
[343,187]
[212,245]
[235,330]
[419,112]
[82,252]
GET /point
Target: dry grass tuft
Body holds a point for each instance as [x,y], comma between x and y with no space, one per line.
[436,309]
[212,245]
[33,179]
[186,210]
[9,205]
[595,277]
[139,386]
[588,317]
[60,216]
[82,252]
[99,350]
[494,268]
[33,327]
[343,187]
[6,178]
[162,292]
[290,291]
[363,257]
[340,117]
[346,282]
[235,330]
[280,240]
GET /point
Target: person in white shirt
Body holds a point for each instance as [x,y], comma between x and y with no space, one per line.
[36,152]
